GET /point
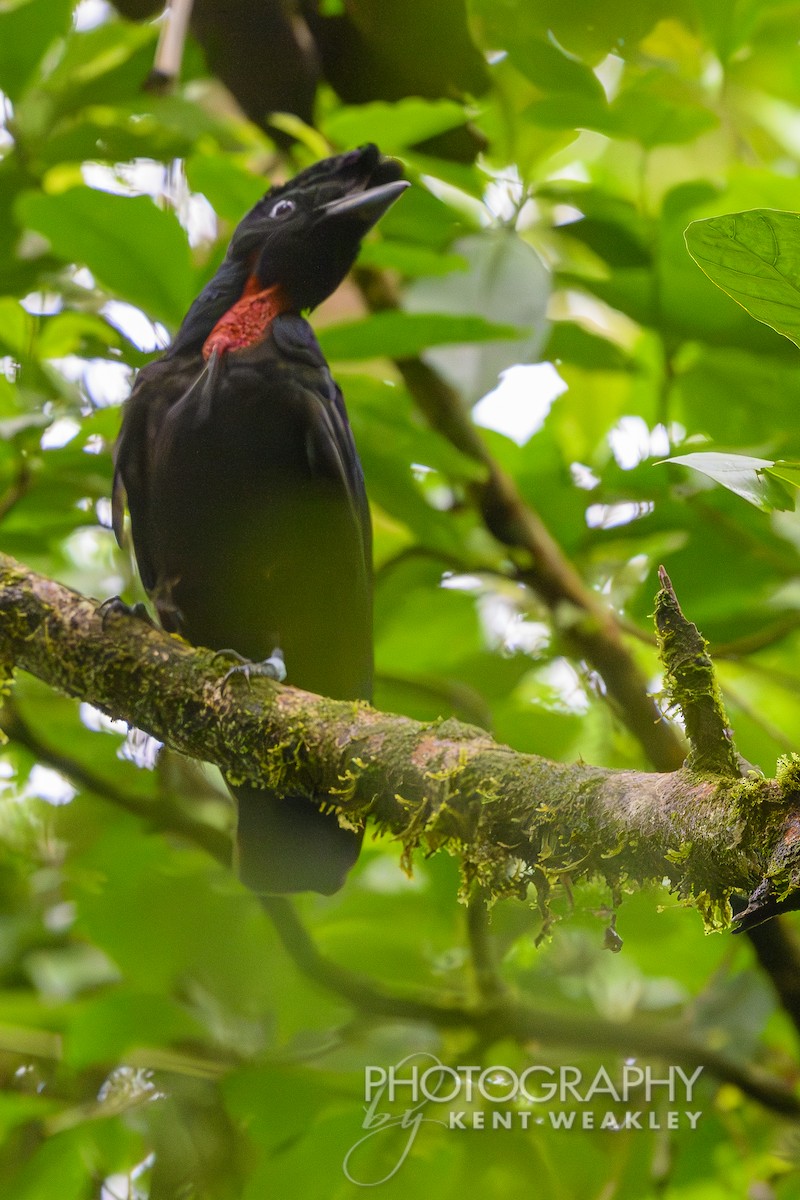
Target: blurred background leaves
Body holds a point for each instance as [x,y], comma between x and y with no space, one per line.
[155,1038]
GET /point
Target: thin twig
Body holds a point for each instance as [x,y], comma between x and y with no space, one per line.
[16,490]
[489,982]
[161,813]
[585,623]
[761,639]
[787,744]
[171,42]
[506,1017]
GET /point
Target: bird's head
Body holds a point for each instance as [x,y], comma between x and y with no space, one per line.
[299,241]
[304,236]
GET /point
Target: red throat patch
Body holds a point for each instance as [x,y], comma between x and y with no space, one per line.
[247,321]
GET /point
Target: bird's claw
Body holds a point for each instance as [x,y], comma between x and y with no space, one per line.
[115,606]
[273,667]
[240,658]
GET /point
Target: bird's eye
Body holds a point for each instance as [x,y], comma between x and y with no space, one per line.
[282,208]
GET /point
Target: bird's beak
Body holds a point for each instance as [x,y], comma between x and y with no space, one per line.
[368,206]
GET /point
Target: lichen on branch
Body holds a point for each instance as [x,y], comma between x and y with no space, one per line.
[691,685]
[513,818]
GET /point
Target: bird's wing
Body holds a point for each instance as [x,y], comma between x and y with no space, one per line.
[159,386]
[131,468]
[329,440]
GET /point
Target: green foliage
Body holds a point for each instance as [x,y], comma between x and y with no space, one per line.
[396,126]
[156,1039]
[402,335]
[123,240]
[753,256]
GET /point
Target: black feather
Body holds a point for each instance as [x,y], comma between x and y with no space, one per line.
[248,508]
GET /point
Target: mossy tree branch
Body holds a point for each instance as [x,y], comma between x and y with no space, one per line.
[512,817]
[693,688]
[594,633]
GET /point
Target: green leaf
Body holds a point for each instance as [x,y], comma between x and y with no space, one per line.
[72,332]
[104,65]
[16,327]
[747,477]
[401,335]
[734,395]
[117,1020]
[26,31]
[122,132]
[136,250]
[583,28]
[395,449]
[421,219]
[755,257]
[506,281]
[409,259]
[548,67]
[655,116]
[376,404]
[394,126]
[227,184]
[409,600]
[571,112]
[18,1109]
[574,344]
[54,1167]
[12,426]
[789,472]
[9,398]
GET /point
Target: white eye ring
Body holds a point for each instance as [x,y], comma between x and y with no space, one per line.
[282,207]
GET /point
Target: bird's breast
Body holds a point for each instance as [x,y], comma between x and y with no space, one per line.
[247,321]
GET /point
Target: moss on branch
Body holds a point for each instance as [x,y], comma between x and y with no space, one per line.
[512,817]
[692,686]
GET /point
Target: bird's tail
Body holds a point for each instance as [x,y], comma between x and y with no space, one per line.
[290,845]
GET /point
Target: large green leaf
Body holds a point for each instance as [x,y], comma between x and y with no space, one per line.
[735,397]
[657,112]
[395,126]
[583,28]
[401,335]
[227,184]
[409,259]
[755,257]
[16,327]
[536,54]
[136,250]
[104,65]
[506,281]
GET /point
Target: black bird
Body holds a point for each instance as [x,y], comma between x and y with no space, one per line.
[248,511]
